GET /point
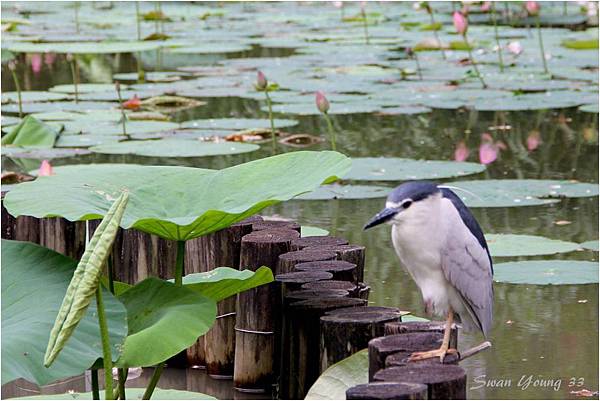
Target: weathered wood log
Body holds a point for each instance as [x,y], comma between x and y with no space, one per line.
[294,280]
[22,228]
[63,236]
[317,240]
[341,270]
[349,253]
[444,382]
[219,249]
[275,224]
[422,327]
[363,291]
[345,332]
[301,346]
[301,295]
[289,260]
[387,391]
[380,348]
[402,359]
[332,285]
[256,358]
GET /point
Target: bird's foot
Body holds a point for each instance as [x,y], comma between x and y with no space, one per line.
[436,353]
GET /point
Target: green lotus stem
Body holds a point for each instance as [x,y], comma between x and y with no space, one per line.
[269,105]
[137,20]
[75,80]
[122,379]
[18,87]
[76,7]
[153,381]
[496,37]
[365,24]
[541,41]
[418,65]
[473,61]
[95,386]
[123,116]
[106,354]
[564,8]
[140,70]
[179,263]
[331,131]
[435,34]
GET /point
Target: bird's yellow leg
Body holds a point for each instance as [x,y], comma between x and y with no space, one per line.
[444,349]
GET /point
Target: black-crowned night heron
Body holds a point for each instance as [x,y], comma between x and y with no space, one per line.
[443,248]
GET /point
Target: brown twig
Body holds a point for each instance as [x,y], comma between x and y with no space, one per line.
[475,350]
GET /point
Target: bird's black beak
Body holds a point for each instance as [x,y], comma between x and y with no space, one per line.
[381,217]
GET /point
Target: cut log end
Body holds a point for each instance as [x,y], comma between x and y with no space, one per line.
[387,391]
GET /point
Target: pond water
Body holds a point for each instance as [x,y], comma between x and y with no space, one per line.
[545,337]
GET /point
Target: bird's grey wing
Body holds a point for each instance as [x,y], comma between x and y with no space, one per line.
[467,266]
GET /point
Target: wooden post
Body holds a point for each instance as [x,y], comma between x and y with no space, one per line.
[402,359]
[444,382]
[387,391]
[363,291]
[289,260]
[349,253]
[317,240]
[301,295]
[218,249]
[258,308]
[301,347]
[22,228]
[275,224]
[345,331]
[332,285]
[380,348]
[341,270]
[422,327]
[294,280]
[63,236]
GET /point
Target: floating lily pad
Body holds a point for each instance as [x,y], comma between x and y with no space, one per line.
[526,245]
[544,272]
[591,245]
[308,109]
[336,191]
[151,76]
[507,193]
[130,393]
[397,169]
[403,110]
[211,47]
[41,154]
[116,128]
[238,123]
[589,108]
[85,141]
[82,47]
[33,96]
[310,231]
[84,88]
[174,148]
[64,106]
[8,121]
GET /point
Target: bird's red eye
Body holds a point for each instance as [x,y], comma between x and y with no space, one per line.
[406,204]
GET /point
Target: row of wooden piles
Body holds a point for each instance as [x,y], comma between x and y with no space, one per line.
[277,338]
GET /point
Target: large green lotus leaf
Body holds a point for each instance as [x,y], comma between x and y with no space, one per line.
[42,107]
[163,320]
[310,109]
[526,245]
[84,88]
[41,154]
[90,116]
[31,133]
[32,96]
[116,128]
[130,393]
[211,47]
[337,191]
[589,108]
[591,245]
[545,272]
[237,123]
[333,383]
[151,76]
[82,47]
[34,281]
[514,192]
[397,169]
[85,141]
[177,203]
[174,148]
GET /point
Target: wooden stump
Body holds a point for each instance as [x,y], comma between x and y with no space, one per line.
[387,391]
[63,236]
[256,358]
[380,348]
[349,253]
[422,327]
[289,260]
[363,291]
[317,240]
[301,347]
[402,359]
[218,249]
[345,332]
[444,382]
[332,285]
[341,270]
[294,280]
[301,295]
[275,224]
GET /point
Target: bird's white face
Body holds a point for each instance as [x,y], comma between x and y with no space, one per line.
[413,212]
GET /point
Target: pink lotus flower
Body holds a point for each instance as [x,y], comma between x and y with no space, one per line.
[533,140]
[461,153]
[488,150]
[486,6]
[532,7]
[132,104]
[515,48]
[322,102]
[460,23]
[45,169]
[36,63]
[261,81]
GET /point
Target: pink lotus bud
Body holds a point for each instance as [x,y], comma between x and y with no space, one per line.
[36,63]
[532,7]
[460,23]
[338,4]
[515,48]
[486,6]
[533,140]
[461,153]
[261,81]
[488,153]
[322,102]
[45,169]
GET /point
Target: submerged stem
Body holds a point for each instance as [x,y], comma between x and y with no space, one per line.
[179,263]
[123,116]
[137,20]
[106,353]
[473,62]
[122,379]
[153,381]
[331,131]
[539,29]
[496,36]
[74,76]
[18,87]
[273,143]
[365,24]
[95,386]
[435,34]
[418,65]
